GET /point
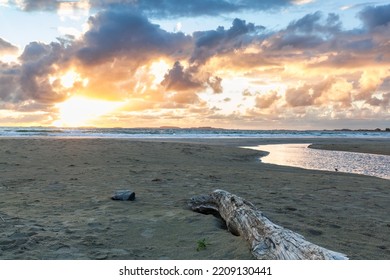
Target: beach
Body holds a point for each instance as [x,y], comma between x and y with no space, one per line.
[55,198]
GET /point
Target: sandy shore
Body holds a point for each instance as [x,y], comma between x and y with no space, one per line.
[55,199]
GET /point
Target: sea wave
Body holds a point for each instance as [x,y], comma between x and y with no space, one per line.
[182,133]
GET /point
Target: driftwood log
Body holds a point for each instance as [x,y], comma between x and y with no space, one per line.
[267,240]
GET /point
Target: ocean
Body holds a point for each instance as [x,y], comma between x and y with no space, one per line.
[182,133]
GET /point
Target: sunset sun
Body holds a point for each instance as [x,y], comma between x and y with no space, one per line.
[81,111]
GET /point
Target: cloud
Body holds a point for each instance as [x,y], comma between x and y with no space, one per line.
[174,8]
[266,100]
[38,62]
[313,23]
[321,41]
[216,84]
[53,5]
[179,79]
[167,8]
[36,5]
[307,94]
[215,42]
[377,16]
[29,82]
[370,85]
[382,101]
[124,33]
[309,32]
[177,8]
[183,99]
[7,48]
[306,24]
[9,80]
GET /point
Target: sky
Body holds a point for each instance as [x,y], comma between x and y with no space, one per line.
[270,64]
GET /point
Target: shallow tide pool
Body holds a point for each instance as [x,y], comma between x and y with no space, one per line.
[299,155]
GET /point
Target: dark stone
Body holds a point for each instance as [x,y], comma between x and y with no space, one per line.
[289,208]
[123,195]
[334,226]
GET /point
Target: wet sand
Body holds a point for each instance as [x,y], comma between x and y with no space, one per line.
[55,199]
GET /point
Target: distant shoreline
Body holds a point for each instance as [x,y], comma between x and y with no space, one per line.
[173,132]
[168,127]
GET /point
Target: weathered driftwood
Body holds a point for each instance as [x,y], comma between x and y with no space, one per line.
[123,195]
[267,240]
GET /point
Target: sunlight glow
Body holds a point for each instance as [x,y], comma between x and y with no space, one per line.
[68,80]
[158,70]
[73,9]
[81,111]
[9,58]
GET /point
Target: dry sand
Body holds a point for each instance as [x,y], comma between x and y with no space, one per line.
[55,199]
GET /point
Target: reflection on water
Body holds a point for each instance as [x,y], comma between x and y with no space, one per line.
[299,155]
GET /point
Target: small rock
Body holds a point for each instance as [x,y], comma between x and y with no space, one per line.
[123,195]
[289,208]
[156,180]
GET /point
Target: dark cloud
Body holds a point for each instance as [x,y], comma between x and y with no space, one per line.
[299,41]
[37,5]
[321,36]
[9,81]
[360,45]
[309,32]
[124,33]
[384,101]
[36,51]
[219,41]
[179,79]
[30,79]
[6,47]
[314,23]
[373,17]
[174,8]
[166,8]
[38,62]
[306,24]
